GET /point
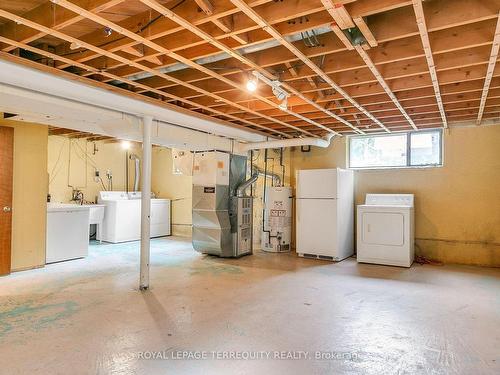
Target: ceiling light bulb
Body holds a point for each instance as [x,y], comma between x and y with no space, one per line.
[251,85]
[125,145]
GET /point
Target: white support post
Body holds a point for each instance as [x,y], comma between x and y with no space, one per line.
[145,201]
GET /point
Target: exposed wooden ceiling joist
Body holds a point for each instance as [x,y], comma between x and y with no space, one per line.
[276,35]
[181,59]
[489,73]
[422,28]
[160,8]
[392,82]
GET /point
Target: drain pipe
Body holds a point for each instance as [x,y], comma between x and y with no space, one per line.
[137,171]
[145,202]
[282,143]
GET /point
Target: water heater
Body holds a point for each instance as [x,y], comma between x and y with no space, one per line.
[277,231]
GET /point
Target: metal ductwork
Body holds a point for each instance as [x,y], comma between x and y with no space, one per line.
[276,177]
[240,191]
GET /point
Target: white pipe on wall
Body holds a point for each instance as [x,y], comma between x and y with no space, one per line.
[145,202]
[318,142]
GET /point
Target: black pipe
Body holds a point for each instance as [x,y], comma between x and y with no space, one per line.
[264,200]
[251,171]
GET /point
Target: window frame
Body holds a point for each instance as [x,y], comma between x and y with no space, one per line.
[408,149]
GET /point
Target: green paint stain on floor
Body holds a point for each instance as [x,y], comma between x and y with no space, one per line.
[32,316]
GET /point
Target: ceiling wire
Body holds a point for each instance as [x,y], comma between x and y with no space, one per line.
[141,29]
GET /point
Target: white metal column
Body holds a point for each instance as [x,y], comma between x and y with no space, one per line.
[145,201]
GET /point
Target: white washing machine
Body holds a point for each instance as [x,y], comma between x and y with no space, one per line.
[122,218]
[385,230]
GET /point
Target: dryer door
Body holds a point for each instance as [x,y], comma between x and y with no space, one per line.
[383,228]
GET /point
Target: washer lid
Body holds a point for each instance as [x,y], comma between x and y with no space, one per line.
[389,200]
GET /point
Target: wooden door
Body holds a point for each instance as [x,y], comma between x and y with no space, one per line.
[6,169]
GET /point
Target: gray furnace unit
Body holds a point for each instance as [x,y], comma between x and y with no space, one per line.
[222,214]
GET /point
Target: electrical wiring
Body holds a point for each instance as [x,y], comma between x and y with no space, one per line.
[141,29]
[52,174]
[89,158]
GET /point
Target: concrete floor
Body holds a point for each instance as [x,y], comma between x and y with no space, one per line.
[86,316]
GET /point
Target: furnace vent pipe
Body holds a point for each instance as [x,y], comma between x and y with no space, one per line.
[240,190]
[283,143]
[276,177]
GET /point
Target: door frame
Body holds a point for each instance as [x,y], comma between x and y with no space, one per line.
[6,196]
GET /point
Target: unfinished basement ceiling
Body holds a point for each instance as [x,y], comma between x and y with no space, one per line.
[199,55]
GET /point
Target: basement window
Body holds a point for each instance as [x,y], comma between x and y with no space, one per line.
[397,150]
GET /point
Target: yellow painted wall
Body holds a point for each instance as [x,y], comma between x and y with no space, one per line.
[77,168]
[457,206]
[176,187]
[29,194]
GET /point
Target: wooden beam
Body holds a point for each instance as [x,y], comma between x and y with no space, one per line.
[48,14]
[241,38]
[138,84]
[405,48]
[167,12]
[369,63]
[274,14]
[365,30]
[137,50]
[342,37]
[206,6]
[454,82]
[489,73]
[226,24]
[291,69]
[276,35]
[339,14]
[139,38]
[422,28]
[165,27]
[157,60]
[182,22]
[452,94]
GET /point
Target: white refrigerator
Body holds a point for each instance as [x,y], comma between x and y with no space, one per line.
[325,213]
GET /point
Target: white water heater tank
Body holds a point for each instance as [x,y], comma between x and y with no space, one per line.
[277,233]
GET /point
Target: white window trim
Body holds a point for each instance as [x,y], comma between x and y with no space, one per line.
[403,167]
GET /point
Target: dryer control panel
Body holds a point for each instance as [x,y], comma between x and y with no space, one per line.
[389,200]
